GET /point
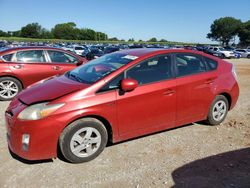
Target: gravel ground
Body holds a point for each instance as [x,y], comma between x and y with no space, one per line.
[195,155]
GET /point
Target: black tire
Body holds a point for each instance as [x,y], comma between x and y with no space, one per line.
[70,130]
[17,84]
[223,56]
[210,118]
[248,56]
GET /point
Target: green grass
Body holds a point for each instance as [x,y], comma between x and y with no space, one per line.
[19,39]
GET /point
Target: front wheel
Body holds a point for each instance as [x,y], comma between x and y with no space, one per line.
[83,140]
[9,88]
[218,110]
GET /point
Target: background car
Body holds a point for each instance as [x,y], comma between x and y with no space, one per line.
[21,67]
[244,53]
[78,50]
[148,89]
[93,54]
[110,49]
[225,53]
[214,53]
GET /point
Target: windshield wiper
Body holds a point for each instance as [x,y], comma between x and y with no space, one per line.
[75,77]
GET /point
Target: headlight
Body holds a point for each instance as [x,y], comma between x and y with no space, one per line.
[39,111]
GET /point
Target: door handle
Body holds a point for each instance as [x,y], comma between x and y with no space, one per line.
[209,81]
[18,66]
[169,92]
[56,67]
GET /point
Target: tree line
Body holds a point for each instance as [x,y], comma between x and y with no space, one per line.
[226,29]
[67,31]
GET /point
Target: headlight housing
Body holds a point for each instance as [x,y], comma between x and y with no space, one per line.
[39,111]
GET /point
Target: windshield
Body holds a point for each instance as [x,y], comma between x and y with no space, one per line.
[97,69]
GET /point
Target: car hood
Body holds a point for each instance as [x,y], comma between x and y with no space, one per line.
[49,90]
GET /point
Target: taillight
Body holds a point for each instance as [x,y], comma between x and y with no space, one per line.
[234,71]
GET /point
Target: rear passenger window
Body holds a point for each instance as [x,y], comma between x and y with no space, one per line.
[7,57]
[61,57]
[211,64]
[152,70]
[188,64]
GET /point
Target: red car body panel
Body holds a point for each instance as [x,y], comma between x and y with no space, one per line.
[29,73]
[149,108]
[64,85]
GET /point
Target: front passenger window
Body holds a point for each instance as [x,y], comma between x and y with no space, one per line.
[152,70]
[113,84]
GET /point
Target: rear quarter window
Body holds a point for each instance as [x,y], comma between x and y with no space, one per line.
[7,57]
[211,64]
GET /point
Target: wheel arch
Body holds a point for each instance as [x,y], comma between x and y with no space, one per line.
[105,122]
[100,118]
[228,97]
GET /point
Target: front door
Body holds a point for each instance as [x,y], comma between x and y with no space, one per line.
[152,105]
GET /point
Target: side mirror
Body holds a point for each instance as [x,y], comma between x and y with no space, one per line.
[128,84]
[80,62]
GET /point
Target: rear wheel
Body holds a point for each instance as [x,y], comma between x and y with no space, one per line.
[218,110]
[248,56]
[9,88]
[83,140]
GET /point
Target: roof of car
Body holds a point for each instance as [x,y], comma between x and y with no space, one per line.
[139,52]
[29,48]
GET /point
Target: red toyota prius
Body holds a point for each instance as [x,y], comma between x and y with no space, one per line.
[116,97]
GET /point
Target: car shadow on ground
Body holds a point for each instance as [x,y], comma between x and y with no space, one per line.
[230,169]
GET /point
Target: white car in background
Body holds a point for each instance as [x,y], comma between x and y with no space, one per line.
[78,50]
[243,52]
[225,53]
[68,48]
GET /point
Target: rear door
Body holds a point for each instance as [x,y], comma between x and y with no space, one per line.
[62,61]
[31,66]
[193,87]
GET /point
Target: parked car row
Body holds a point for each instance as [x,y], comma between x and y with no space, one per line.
[91,51]
[227,52]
